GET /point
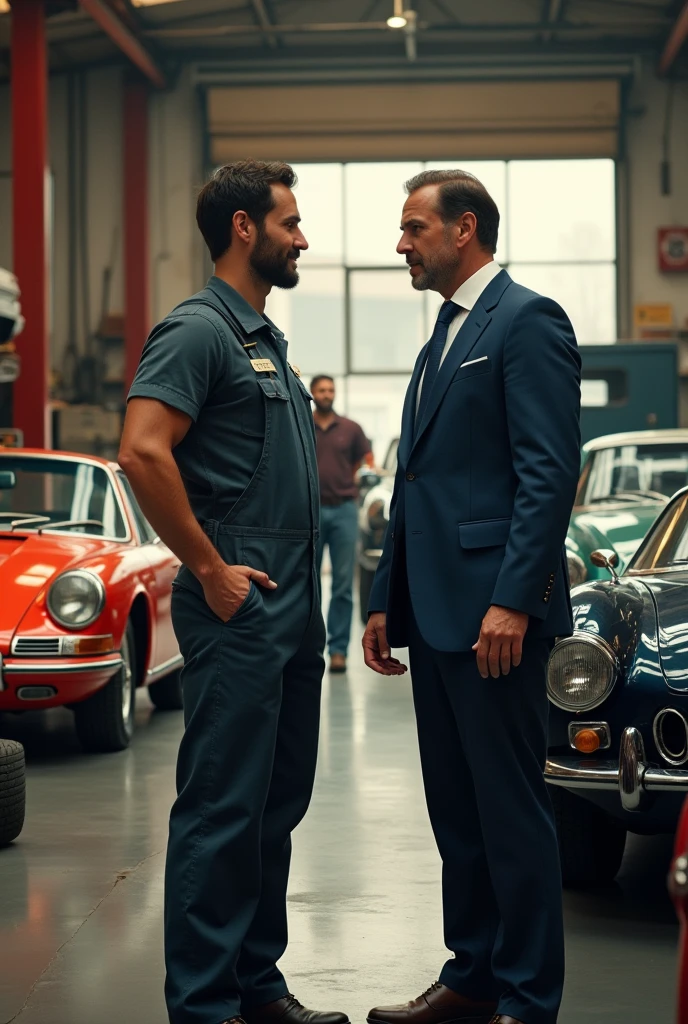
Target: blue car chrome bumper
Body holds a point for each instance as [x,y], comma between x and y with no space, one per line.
[634,779]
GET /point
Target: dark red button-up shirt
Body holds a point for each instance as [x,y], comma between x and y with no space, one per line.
[340,449]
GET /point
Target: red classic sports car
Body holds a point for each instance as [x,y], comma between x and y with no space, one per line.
[85,593]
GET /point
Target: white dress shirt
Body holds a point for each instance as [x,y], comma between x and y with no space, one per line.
[465,296]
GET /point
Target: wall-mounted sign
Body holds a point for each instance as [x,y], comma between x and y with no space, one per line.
[654,314]
[672,249]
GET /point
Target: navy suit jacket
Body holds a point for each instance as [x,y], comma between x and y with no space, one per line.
[484,491]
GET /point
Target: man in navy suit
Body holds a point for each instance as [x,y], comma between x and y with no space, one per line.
[473,580]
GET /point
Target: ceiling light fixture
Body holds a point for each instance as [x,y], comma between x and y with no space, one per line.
[398,19]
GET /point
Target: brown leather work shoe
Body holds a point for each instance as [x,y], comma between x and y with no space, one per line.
[337,663]
[289,1010]
[439,1005]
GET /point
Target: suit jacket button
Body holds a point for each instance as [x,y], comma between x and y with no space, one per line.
[410,477]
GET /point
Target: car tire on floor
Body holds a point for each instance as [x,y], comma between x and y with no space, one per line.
[12,790]
[591,844]
[166,694]
[105,722]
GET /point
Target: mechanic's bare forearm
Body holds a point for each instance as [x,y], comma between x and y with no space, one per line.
[159,488]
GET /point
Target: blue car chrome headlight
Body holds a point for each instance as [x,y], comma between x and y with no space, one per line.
[581,673]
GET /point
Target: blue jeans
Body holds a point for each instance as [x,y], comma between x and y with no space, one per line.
[339,531]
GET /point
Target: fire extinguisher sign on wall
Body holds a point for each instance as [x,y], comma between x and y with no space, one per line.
[672,250]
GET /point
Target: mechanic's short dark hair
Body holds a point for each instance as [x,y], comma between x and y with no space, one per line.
[320,378]
[242,185]
[461,192]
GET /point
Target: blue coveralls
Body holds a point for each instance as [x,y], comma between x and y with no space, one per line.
[251,685]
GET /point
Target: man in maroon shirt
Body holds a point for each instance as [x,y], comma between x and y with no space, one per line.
[342,447]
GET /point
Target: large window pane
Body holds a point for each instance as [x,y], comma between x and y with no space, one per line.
[387,321]
[376,403]
[561,210]
[587,293]
[312,318]
[492,174]
[320,198]
[374,197]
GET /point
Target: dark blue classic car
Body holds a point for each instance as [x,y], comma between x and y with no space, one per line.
[618,748]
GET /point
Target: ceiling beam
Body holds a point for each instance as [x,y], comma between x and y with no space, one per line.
[677,37]
[125,39]
[265,22]
[490,30]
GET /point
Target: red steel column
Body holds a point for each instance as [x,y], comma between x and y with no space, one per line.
[137,320]
[31,228]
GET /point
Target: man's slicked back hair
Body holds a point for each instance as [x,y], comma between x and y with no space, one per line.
[243,185]
[460,192]
[320,378]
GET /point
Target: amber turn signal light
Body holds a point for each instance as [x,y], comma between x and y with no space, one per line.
[587,741]
[87,645]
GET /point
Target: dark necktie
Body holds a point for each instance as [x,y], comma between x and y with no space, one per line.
[448,312]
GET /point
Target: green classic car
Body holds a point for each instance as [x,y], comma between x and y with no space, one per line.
[626,480]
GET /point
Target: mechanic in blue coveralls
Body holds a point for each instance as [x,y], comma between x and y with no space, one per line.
[219,447]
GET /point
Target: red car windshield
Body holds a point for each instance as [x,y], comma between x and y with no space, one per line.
[54,493]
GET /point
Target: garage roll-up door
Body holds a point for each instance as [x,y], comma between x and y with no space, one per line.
[414,121]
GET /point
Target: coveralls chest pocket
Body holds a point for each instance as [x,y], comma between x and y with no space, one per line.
[253,423]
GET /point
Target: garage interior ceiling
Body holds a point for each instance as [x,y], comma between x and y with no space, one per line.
[292,37]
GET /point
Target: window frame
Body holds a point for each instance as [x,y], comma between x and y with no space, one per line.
[349,367]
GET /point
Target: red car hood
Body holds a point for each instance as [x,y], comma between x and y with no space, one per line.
[28,563]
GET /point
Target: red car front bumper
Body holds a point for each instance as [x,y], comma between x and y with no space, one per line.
[27,683]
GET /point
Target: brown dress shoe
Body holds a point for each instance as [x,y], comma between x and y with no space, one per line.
[289,1010]
[439,1005]
[338,663]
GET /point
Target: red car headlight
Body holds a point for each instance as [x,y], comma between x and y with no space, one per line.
[76,599]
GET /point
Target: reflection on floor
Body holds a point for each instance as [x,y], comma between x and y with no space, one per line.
[81,892]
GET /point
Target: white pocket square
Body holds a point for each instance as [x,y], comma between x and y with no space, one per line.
[472,362]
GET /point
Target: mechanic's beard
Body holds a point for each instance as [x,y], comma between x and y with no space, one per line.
[270,264]
[324,406]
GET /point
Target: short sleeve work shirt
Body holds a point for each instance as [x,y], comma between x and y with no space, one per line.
[198,365]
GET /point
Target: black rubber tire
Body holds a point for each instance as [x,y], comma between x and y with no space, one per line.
[591,844]
[166,694]
[101,724]
[365,585]
[12,790]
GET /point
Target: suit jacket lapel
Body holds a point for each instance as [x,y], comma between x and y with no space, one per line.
[408,419]
[476,322]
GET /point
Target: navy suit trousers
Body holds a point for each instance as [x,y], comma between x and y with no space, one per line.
[483,744]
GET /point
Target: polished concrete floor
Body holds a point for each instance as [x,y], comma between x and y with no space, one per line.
[81,891]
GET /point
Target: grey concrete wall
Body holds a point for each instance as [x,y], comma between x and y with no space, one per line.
[175,173]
